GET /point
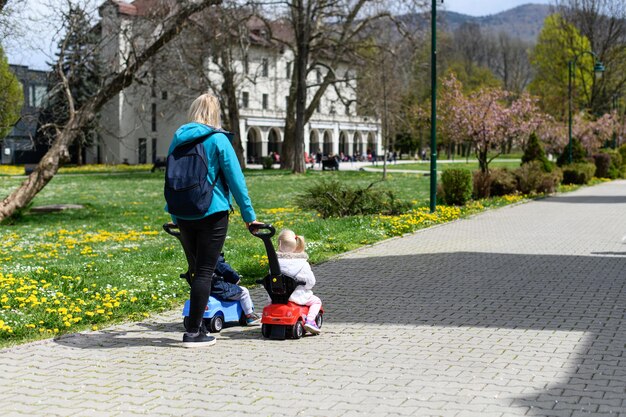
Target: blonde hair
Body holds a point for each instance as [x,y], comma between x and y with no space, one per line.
[288,241]
[206,110]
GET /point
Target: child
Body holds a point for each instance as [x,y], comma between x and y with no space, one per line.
[224,286]
[293,262]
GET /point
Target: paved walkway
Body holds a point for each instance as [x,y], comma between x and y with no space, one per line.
[517,311]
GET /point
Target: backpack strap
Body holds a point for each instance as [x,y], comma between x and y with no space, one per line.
[220,173]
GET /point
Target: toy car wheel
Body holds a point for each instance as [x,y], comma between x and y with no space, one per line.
[186,323]
[298,330]
[319,320]
[216,323]
[266,330]
[242,319]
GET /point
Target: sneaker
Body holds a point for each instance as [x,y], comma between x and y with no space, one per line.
[311,327]
[198,339]
[253,320]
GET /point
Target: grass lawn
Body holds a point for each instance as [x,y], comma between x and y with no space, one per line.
[461,164]
[111,261]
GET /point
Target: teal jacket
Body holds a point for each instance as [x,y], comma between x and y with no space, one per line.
[220,155]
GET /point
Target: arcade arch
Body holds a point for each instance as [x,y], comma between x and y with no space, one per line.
[253,145]
[343,143]
[274,141]
[314,142]
[328,142]
[357,143]
[371,142]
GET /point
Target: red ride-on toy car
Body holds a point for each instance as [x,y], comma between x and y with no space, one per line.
[282,318]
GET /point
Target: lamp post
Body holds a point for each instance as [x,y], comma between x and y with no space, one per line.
[598,69]
[433,108]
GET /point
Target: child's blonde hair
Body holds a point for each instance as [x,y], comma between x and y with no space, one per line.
[288,241]
[206,110]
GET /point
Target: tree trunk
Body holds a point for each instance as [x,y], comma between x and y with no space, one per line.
[293,146]
[483,162]
[79,152]
[58,152]
[230,91]
[44,172]
[298,165]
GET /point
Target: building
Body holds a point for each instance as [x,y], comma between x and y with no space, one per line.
[138,124]
[20,146]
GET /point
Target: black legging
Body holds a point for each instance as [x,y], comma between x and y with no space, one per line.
[203,240]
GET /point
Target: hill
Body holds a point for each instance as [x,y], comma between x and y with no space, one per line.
[524,22]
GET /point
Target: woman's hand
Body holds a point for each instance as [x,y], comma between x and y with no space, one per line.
[252,223]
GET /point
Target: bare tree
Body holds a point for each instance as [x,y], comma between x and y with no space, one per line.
[175,16]
[471,45]
[386,82]
[211,55]
[323,34]
[509,60]
[7,8]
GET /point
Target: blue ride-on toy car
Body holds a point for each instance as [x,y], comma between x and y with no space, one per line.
[218,313]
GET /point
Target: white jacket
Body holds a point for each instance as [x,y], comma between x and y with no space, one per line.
[295,265]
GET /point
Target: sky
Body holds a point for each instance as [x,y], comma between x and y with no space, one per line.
[36,47]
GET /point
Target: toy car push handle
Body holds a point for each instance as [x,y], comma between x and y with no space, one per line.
[258,231]
[172,229]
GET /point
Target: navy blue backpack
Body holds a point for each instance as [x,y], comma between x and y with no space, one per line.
[188,192]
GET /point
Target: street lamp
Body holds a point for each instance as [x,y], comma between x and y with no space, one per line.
[598,69]
[433,108]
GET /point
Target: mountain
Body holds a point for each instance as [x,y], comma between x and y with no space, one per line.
[524,22]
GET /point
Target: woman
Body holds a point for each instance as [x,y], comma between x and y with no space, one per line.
[203,235]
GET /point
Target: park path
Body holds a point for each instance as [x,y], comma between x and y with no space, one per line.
[519,311]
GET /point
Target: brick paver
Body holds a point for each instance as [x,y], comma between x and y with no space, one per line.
[517,311]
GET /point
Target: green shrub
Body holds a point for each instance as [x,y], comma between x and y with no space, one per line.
[616,158]
[267,162]
[532,179]
[457,186]
[502,182]
[622,151]
[331,198]
[441,193]
[580,173]
[550,181]
[534,152]
[615,165]
[579,154]
[603,165]
[481,185]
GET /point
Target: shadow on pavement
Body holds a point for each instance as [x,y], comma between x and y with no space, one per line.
[470,289]
[582,199]
[113,339]
[512,291]
[149,334]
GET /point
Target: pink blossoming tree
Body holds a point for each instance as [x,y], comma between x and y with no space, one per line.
[484,119]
